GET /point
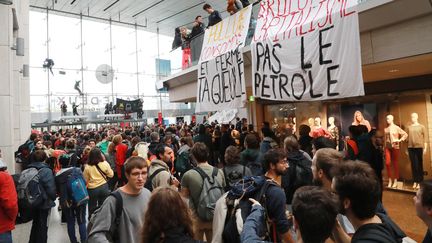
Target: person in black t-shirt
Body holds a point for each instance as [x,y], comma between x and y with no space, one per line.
[214,16]
[359,193]
[198,27]
[423,205]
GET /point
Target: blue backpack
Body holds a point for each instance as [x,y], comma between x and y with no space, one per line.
[76,188]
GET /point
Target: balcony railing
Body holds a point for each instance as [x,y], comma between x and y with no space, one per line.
[197,41]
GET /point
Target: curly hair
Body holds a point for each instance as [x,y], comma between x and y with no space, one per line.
[175,214]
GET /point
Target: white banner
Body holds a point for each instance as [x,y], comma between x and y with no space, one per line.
[307,52]
[221,82]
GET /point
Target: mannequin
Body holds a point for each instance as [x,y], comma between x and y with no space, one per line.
[417,147]
[318,130]
[311,122]
[393,136]
[334,131]
[359,120]
[275,124]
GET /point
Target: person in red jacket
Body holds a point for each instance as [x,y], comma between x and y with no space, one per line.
[8,204]
[119,149]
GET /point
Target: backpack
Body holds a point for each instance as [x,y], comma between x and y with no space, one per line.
[66,157]
[76,187]
[183,163]
[24,214]
[233,177]
[211,191]
[303,175]
[249,187]
[22,155]
[30,192]
[255,167]
[113,234]
[148,183]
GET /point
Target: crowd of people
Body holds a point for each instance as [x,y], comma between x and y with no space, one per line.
[201,183]
[183,36]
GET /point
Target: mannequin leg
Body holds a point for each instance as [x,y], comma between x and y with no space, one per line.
[395,162]
[419,153]
[414,164]
[388,162]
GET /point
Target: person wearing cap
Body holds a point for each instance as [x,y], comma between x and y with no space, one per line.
[8,204]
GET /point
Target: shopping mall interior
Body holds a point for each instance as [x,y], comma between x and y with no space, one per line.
[114,62]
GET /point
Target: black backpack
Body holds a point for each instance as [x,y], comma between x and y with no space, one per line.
[253,187]
[183,163]
[113,235]
[148,183]
[24,214]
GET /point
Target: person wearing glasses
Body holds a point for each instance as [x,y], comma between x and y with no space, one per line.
[107,224]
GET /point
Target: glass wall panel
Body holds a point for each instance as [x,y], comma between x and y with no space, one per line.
[64,49]
[93,86]
[37,45]
[124,49]
[38,81]
[125,84]
[147,84]
[38,40]
[96,45]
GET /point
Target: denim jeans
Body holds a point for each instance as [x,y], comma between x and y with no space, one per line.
[6,237]
[97,197]
[77,213]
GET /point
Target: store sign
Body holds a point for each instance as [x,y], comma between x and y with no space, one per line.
[307,50]
[221,83]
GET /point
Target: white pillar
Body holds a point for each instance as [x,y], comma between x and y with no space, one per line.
[14,91]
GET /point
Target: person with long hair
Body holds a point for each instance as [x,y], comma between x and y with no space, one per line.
[173,224]
[359,119]
[97,173]
[119,149]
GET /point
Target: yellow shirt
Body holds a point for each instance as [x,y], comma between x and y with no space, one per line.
[94,178]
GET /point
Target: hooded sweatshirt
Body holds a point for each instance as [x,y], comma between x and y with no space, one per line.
[163,178]
[299,174]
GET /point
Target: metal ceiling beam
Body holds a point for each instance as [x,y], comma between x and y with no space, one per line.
[142,11]
[89,16]
[112,4]
[184,10]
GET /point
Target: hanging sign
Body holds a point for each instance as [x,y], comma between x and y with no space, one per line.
[306,50]
[221,83]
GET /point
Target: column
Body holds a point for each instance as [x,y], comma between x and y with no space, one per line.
[6,82]
[14,93]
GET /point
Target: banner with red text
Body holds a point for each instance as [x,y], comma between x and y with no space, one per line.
[221,82]
[307,50]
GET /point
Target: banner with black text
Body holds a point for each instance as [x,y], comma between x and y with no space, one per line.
[221,83]
[307,50]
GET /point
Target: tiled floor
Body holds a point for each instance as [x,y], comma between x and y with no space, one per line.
[57,233]
[399,205]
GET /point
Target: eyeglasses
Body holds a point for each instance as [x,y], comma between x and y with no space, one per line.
[137,174]
[283,161]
